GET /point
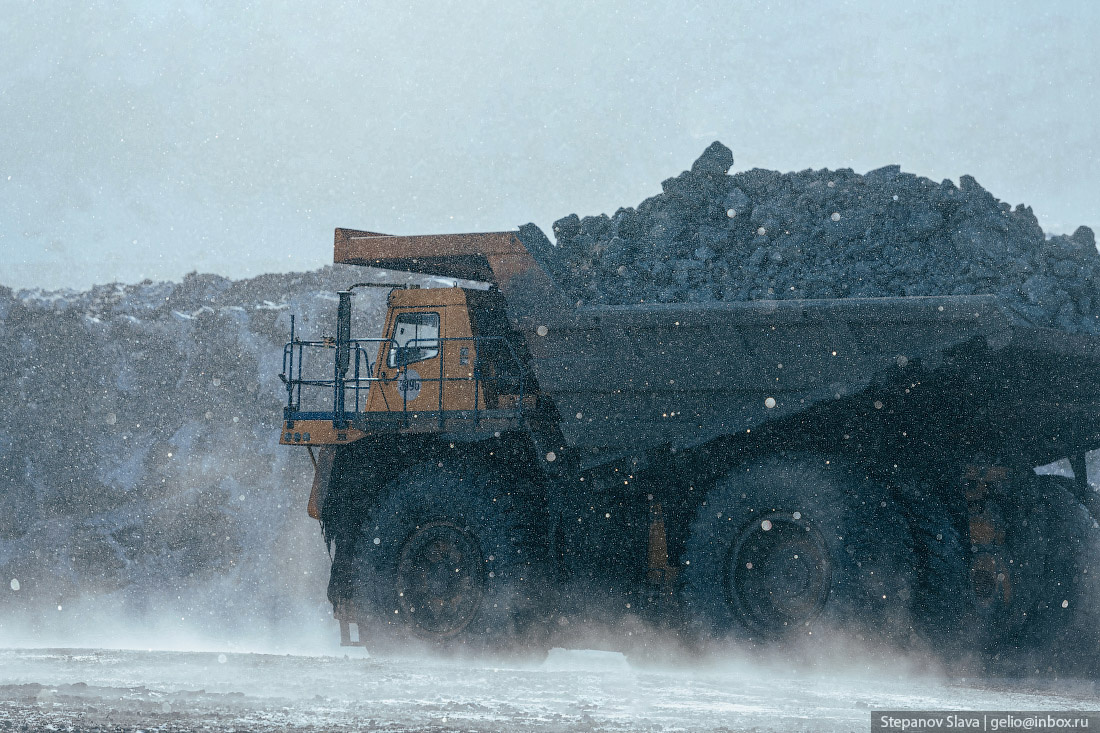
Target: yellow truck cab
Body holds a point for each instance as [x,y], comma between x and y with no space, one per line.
[431,367]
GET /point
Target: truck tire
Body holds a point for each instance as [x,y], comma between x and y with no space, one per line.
[1067,618]
[451,556]
[1052,541]
[797,545]
[943,608]
[1002,603]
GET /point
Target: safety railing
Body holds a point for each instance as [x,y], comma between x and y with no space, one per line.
[459,369]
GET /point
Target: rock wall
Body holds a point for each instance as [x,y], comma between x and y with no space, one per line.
[139,461]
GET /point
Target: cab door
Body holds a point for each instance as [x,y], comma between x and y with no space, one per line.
[409,366]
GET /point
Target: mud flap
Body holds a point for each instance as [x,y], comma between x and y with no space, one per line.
[322,474]
[345,634]
[344,616]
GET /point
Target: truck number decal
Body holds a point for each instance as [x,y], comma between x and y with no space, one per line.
[408,384]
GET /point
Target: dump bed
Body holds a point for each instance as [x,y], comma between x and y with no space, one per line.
[640,376]
[681,375]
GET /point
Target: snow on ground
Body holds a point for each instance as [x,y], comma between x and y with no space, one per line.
[101,689]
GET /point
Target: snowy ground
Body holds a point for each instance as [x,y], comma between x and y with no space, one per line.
[120,690]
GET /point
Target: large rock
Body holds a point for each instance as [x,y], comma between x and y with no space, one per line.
[716,160]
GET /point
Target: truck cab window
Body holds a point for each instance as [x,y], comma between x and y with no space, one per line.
[415,338]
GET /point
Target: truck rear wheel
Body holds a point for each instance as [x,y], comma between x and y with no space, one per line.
[1066,617]
[944,611]
[795,545]
[450,556]
[1039,607]
[1013,589]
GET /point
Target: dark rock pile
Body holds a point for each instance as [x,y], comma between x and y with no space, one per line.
[761,234]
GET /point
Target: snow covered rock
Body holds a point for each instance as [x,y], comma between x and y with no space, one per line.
[139,459]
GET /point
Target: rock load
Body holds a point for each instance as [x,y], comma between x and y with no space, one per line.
[760,234]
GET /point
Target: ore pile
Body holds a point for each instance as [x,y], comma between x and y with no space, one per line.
[139,461]
[761,234]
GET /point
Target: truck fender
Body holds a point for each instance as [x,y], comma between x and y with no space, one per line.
[322,474]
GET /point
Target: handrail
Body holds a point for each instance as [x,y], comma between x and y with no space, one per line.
[294,366]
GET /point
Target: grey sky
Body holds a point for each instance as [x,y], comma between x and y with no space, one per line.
[148,139]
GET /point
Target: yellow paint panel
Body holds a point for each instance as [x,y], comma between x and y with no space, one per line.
[317,432]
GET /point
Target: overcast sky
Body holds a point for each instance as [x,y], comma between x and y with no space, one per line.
[147,139]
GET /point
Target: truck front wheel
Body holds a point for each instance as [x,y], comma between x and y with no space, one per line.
[797,545]
[450,556]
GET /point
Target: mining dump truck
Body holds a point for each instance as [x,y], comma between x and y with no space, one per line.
[502,463]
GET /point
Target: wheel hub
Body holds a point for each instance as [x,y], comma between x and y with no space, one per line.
[439,580]
[778,573]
